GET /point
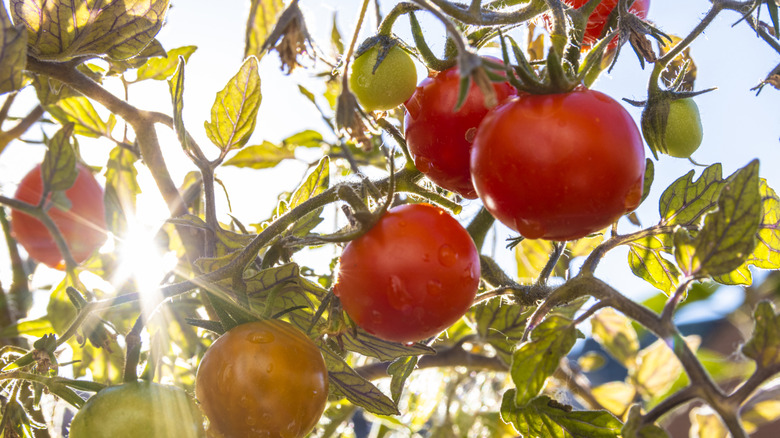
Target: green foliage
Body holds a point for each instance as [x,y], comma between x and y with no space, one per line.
[543,416]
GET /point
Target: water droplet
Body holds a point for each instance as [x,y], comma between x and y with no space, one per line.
[471,133]
[426,257]
[434,287]
[530,228]
[243,401]
[376,317]
[250,421]
[265,418]
[397,294]
[261,337]
[226,375]
[269,368]
[423,164]
[447,255]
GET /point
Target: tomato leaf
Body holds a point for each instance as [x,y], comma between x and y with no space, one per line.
[263,15]
[729,233]
[707,423]
[260,156]
[766,255]
[152,50]
[122,188]
[176,88]
[60,31]
[685,202]
[59,164]
[634,428]
[536,360]
[764,346]
[501,324]
[234,113]
[615,396]
[657,367]
[399,371]
[79,111]
[648,181]
[31,327]
[346,382]
[13,53]
[159,68]
[647,262]
[371,346]
[546,417]
[615,332]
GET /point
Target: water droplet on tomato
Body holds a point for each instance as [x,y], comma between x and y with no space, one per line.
[447,255]
[265,418]
[226,375]
[261,337]
[469,274]
[529,228]
[423,164]
[250,420]
[269,369]
[434,287]
[397,294]
[426,257]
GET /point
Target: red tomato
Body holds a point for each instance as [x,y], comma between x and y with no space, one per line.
[559,166]
[599,18]
[262,379]
[411,276]
[439,139]
[83,225]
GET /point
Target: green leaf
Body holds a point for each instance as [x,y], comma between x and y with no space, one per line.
[647,262]
[501,324]
[261,156]
[767,252]
[59,164]
[615,332]
[399,371]
[176,88]
[648,180]
[635,429]
[262,19]
[705,423]
[371,346]
[60,31]
[344,381]
[121,189]
[591,361]
[615,396]
[658,368]
[545,417]
[335,37]
[160,69]
[536,360]
[764,346]
[685,201]
[153,50]
[729,233]
[308,138]
[31,327]
[79,111]
[532,255]
[316,182]
[13,53]
[234,113]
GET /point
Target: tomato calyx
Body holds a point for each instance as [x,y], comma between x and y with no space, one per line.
[384,43]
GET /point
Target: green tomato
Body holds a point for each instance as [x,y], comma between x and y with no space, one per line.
[390,85]
[673,129]
[142,409]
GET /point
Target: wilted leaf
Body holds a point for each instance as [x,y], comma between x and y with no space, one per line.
[536,360]
[615,332]
[344,381]
[161,69]
[261,156]
[59,164]
[79,111]
[261,21]
[684,202]
[234,113]
[669,75]
[60,31]
[13,53]
[764,346]
[544,417]
[647,262]
[501,324]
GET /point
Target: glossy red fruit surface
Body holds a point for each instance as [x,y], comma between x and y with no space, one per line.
[559,166]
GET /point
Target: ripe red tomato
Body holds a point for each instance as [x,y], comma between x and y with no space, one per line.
[262,379]
[142,409]
[598,19]
[411,276]
[559,166]
[439,139]
[83,225]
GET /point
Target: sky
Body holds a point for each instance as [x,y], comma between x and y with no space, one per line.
[738,126]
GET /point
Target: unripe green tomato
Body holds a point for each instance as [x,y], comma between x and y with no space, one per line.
[681,134]
[142,409]
[393,82]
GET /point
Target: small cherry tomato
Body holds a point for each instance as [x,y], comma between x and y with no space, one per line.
[412,275]
[262,379]
[142,409]
[83,225]
[673,128]
[387,86]
[559,166]
[440,138]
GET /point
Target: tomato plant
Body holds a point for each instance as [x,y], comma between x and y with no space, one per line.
[600,17]
[138,409]
[82,225]
[439,138]
[387,85]
[673,128]
[263,378]
[413,274]
[559,166]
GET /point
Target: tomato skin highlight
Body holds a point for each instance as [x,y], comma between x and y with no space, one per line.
[141,409]
[82,226]
[559,166]
[411,276]
[440,139]
[262,379]
[389,86]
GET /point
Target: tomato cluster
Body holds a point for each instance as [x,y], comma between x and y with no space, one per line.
[262,379]
[82,224]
